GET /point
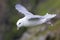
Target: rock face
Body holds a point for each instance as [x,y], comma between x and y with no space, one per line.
[36,33]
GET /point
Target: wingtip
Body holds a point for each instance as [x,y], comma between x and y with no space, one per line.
[54,15]
[18,5]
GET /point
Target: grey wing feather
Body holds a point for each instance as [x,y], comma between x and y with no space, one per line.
[35,18]
[22,9]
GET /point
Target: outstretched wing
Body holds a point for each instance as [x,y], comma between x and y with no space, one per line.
[50,16]
[35,18]
[22,9]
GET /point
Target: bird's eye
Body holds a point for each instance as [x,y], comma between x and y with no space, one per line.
[19,23]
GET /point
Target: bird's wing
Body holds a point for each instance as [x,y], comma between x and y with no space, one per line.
[22,9]
[35,18]
[50,15]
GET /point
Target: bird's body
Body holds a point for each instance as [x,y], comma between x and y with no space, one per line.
[27,22]
[31,20]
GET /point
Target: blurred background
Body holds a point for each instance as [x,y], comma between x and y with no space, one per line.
[9,16]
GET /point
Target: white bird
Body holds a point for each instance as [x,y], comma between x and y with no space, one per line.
[31,20]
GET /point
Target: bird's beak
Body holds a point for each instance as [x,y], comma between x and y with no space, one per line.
[17,28]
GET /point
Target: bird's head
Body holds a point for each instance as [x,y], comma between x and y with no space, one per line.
[19,24]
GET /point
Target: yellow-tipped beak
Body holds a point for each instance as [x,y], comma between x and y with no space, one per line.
[17,28]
